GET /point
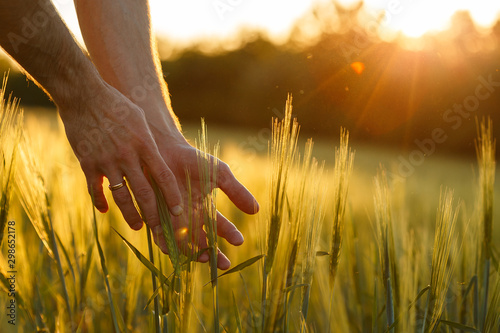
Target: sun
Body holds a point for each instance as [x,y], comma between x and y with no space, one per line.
[416,18]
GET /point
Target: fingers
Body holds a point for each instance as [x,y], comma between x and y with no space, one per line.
[142,192]
[227,230]
[124,201]
[235,191]
[145,197]
[222,261]
[202,244]
[159,239]
[142,189]
[167,183]
[96,192]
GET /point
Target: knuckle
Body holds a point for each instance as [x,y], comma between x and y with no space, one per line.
[165,176]
[153,222]
[144,193]
[103,164]
[150,154]
[132,220]
[125,154]
[121,196]
[88,167]
[223,167]
[224,173]
[143,142]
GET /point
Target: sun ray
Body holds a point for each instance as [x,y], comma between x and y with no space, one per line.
[376,89]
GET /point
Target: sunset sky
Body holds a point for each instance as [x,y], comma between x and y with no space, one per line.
[190,20]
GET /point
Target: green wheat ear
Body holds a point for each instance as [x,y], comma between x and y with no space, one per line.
[282,155]
[168,230]
[344,159]
[207,168]
[11,131]
[314,209]
[385,242]
[283,149]
[443,258]
[485,149]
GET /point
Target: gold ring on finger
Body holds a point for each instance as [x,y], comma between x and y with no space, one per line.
[117,186]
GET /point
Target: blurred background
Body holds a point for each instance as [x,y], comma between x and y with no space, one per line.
[406,78]
[389,71]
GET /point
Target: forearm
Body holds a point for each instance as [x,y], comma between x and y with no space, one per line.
[35,36]
[119,39]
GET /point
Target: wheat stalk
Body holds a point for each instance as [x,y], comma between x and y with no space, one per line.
[443,258]
[10,134]
[282,153]
[385,242]
[485,149]
[207,167]
[313,219]
[283,149]
[344,159]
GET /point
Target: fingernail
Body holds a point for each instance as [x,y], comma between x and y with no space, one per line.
[257,207]
[177,210]
[137,226]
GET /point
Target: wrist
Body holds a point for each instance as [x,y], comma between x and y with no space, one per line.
[76,86]
[163,122]
[149,92]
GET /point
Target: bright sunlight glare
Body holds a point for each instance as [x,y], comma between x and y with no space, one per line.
[189,21]
[416,18]
[193,19]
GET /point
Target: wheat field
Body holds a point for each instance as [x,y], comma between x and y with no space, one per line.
[341,244]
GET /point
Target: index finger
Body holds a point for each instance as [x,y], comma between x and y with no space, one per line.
[235,191]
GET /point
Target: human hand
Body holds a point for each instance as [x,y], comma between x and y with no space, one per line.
[182,159]
[111,138]
[122,48]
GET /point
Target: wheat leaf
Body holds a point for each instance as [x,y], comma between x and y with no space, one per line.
[239,267]
[118,322]
[459,326]
[145,261]
[157,291]
[237,314]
